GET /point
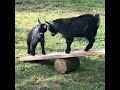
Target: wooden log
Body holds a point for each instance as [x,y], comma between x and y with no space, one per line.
[64,55]
[66,65]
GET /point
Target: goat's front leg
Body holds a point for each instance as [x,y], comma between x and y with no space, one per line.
[68,42]
[43,49]
[90,44]
[42,42]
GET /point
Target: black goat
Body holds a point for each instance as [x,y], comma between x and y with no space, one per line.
[85,25]
[36,35]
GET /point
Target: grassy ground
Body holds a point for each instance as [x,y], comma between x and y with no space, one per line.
[42,76]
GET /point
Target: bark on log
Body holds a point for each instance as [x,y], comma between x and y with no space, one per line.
[66,65]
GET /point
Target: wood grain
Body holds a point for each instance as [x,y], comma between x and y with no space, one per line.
[92,52]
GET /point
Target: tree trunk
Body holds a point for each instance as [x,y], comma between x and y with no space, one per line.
[66,65]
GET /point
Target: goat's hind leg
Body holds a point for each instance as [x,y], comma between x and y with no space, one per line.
[90,44]
[28,44]
[33,47]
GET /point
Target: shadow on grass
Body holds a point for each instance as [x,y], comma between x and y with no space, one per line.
[42,62]
[86,63]
[91,70]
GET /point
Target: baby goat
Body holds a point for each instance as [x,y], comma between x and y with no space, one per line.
[36,35]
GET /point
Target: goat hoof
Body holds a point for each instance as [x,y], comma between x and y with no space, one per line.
[28,52]
[33,54]
[67,51]
[44,53]
[86,50]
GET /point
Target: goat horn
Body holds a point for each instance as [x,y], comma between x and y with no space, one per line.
[39,21]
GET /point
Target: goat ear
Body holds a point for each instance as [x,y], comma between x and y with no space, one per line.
[39,21]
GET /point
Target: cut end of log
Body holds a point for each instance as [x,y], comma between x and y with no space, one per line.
[60,66]
[63,66]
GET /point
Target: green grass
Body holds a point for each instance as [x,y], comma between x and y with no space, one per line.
[42,76]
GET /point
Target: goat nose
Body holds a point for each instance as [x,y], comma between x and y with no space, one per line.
[53,34]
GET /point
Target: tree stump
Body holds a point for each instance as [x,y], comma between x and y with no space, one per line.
[66,65]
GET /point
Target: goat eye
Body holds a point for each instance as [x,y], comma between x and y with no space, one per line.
[41,33]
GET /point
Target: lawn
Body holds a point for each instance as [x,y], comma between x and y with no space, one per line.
[41,75]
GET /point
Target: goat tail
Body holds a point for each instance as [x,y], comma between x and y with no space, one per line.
[97,17]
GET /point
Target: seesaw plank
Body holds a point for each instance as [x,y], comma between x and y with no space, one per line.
[64,55]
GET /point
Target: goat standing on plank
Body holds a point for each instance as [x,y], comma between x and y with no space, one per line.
[36,35]
[82,26]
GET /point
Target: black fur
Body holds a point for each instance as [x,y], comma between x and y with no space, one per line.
[34,36]
[82,26]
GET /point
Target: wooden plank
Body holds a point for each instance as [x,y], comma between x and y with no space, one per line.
[64,55]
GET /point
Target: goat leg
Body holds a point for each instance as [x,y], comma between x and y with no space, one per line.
[33,47]
[68,42]
[43,49]
[90,44]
